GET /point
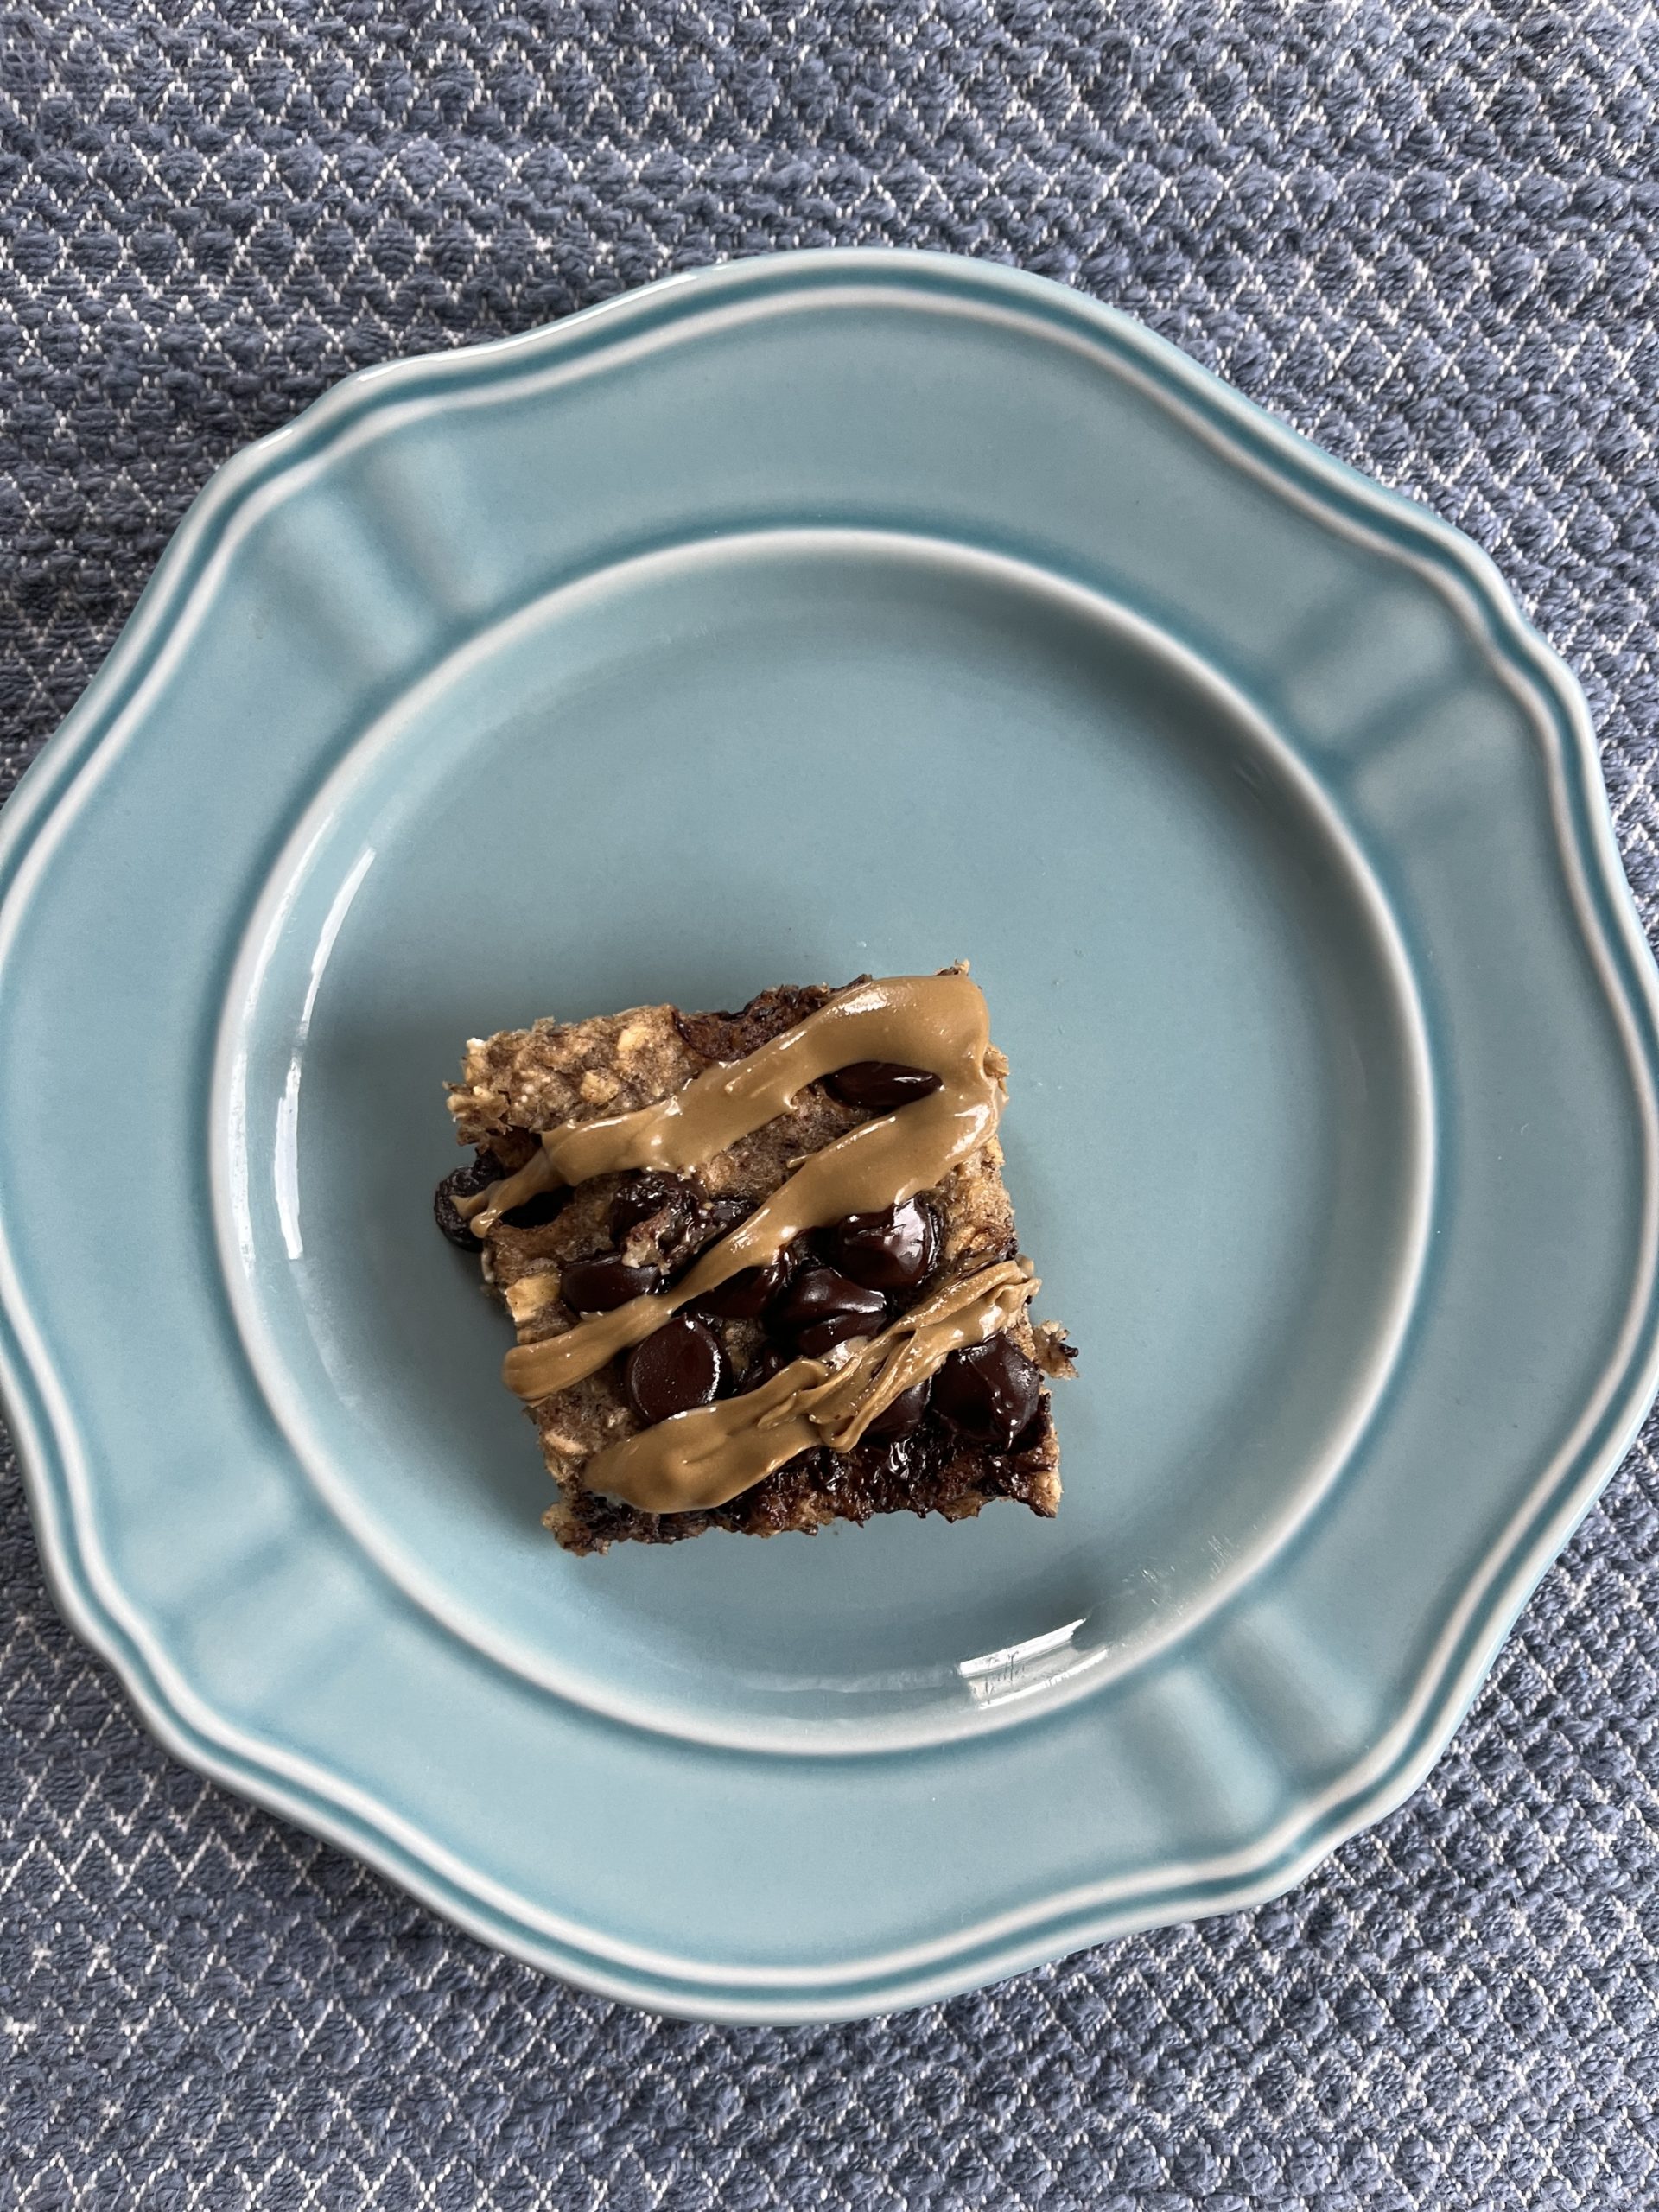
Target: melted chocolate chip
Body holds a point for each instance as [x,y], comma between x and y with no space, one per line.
[714,1218]
[891,1250]
[903,1417]
[679,1366]
[536,1212]
[989,1391]
[1035,1431]
[763,1366]
[881,1086]
[648,1193]
[822,1309]
[597,1286]
[746,1296]
[463,1183]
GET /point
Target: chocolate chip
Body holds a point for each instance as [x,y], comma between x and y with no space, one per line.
[763,1366]
[746,1296]
[678,1367]
[822,1309]
[597,1286]
[692,1223]
[536,1212]
[903,1417]
[647,1194]
[989,1391]
[463,1183]
[881,1086]
[714,1218]
[1035,1432]
[894,1249]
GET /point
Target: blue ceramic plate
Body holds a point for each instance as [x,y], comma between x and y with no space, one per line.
[819,615]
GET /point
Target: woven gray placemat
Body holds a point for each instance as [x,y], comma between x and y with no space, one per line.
[1428,236]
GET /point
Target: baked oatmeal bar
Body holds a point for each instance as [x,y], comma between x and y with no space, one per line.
[870,1357]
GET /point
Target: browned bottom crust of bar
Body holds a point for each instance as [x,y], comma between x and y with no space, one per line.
[520,1083]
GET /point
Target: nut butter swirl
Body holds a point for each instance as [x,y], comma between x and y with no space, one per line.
[704,1457]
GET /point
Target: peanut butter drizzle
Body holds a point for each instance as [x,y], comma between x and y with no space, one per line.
[703,1458]
[936,1022]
